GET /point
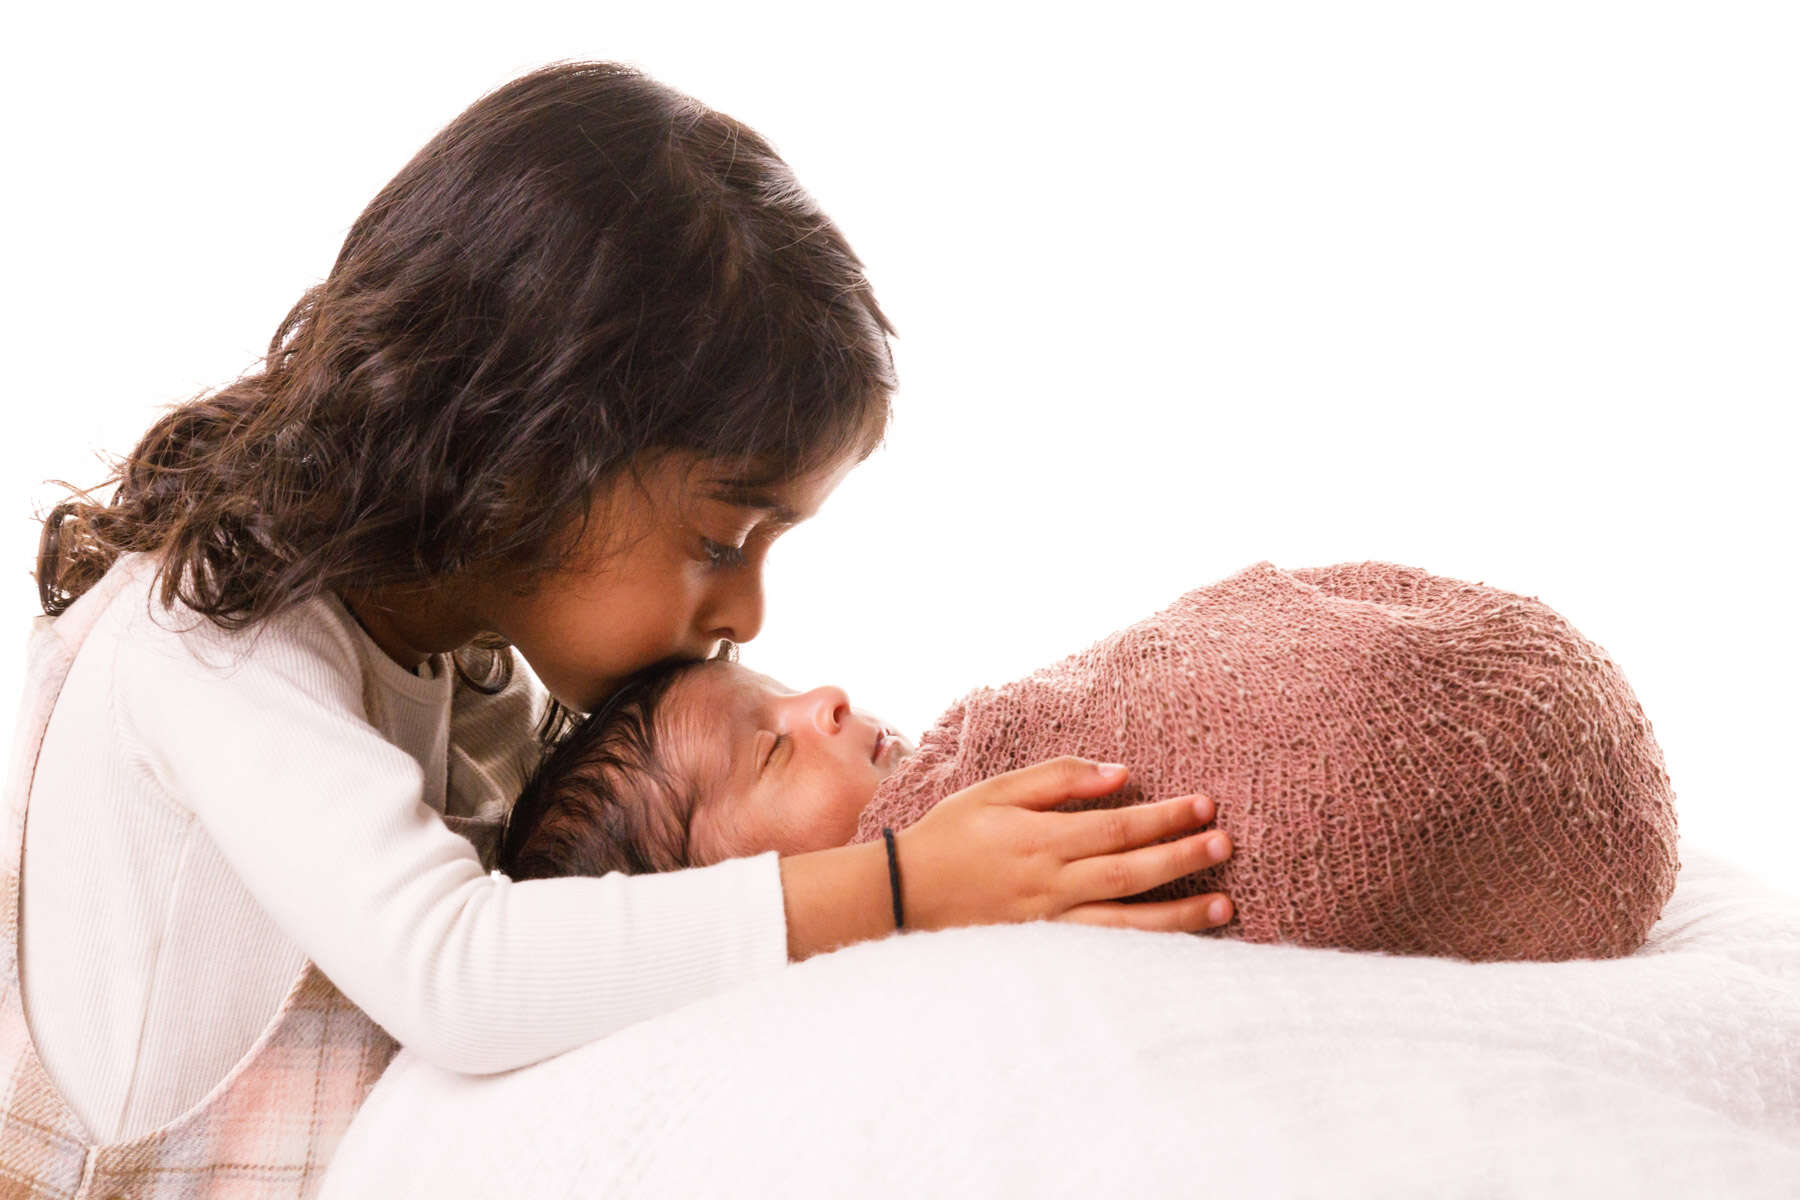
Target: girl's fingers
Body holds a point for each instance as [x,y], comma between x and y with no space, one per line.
[1049,783]
[1109,876]
[1108,831]
[1163,916]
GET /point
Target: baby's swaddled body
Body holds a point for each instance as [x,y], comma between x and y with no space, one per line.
[1405,763]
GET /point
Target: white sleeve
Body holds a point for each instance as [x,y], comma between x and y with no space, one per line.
[325,822]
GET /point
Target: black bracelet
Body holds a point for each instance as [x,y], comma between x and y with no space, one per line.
[894,879]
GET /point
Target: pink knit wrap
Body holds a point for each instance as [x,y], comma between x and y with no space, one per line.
[1405,763]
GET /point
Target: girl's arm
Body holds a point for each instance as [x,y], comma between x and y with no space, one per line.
[835,897]
[265,739]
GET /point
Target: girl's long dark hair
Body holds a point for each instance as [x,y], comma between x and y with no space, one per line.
[583,266]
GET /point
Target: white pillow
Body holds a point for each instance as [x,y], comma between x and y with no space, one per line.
[1051,1060]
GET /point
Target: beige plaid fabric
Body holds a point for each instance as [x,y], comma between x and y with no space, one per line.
[267,1130]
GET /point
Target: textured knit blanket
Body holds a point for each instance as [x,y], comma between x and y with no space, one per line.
[1052,1061]
[1404,762]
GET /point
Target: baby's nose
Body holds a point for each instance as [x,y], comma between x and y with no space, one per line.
[830,707]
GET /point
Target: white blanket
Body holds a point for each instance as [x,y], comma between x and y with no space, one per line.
[1049,1060]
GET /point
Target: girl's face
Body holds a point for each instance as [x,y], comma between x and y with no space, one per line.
[772,768]
[666,570]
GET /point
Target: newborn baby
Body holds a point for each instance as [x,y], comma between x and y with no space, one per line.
[1405,763]
[691,764]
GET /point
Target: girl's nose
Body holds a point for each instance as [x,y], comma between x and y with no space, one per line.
[737,615]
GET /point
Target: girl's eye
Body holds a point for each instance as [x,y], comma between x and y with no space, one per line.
[722,556]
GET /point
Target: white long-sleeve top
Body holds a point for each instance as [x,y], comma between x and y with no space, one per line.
[212,808]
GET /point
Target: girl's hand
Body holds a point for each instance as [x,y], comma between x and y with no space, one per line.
[992,854]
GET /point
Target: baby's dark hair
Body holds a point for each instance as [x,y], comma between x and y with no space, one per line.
[605,796]
[583,267]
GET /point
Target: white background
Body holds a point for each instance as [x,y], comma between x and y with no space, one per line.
[1505,291]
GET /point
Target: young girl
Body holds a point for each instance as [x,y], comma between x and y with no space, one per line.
[573,371]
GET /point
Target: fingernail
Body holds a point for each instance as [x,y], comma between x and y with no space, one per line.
[1215,911]
[1202,806]
[1111,770]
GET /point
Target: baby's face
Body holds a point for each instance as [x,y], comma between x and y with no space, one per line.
[774,769]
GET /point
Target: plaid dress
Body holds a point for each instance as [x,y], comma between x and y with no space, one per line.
[266,1130]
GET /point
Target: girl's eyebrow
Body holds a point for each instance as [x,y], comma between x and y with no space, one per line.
[744,496]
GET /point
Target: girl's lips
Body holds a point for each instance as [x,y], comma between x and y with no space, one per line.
[881,739]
